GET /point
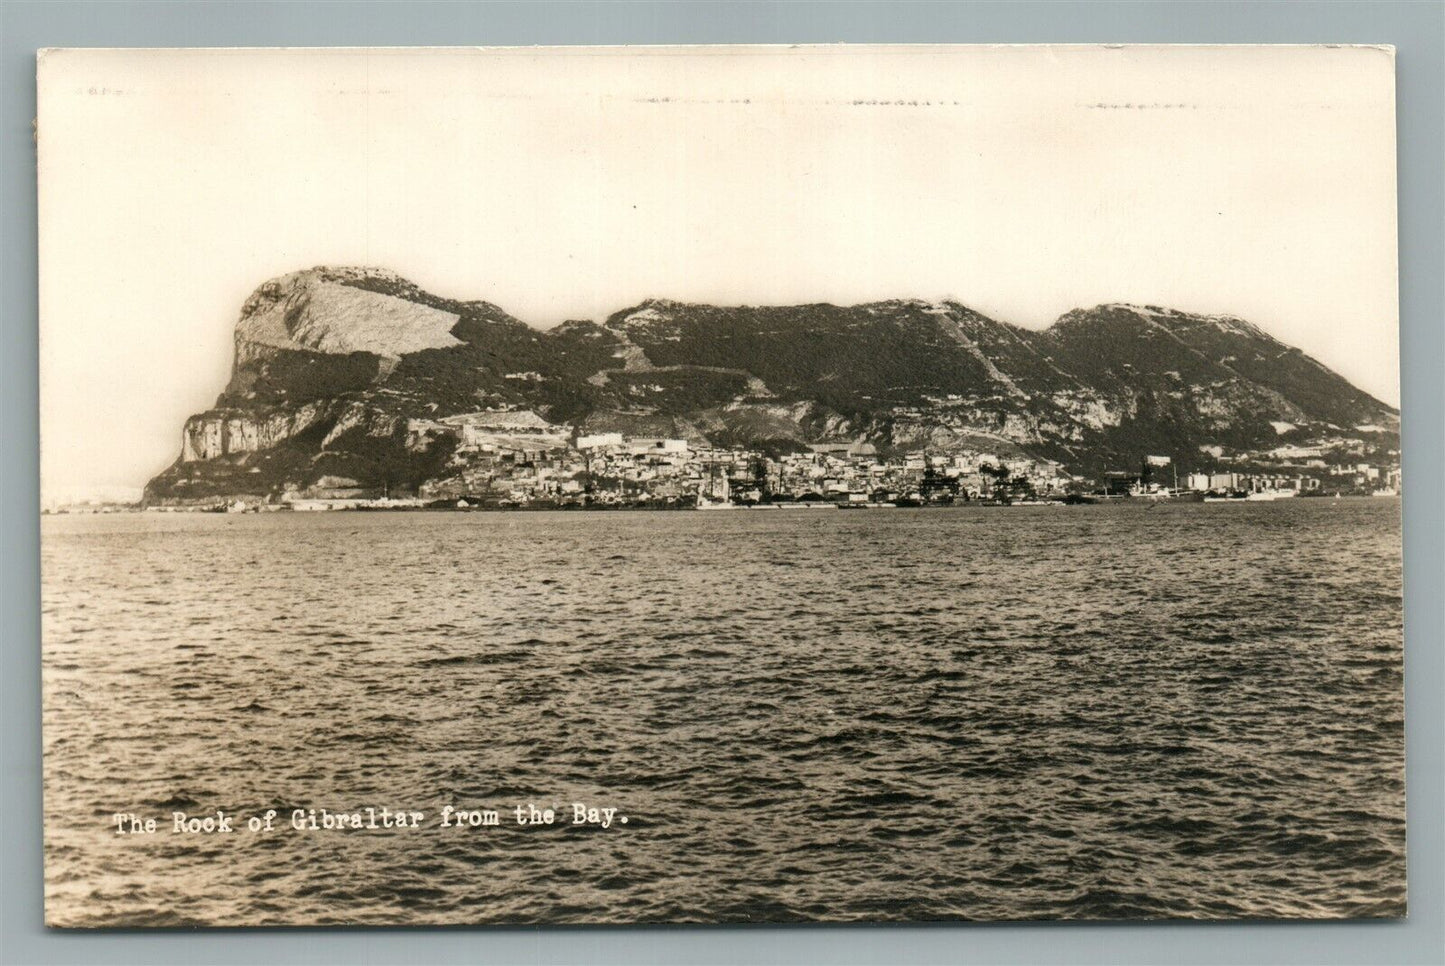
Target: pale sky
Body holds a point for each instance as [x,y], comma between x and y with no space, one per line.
[569,183]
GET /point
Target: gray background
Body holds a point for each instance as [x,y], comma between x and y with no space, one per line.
[1416,29]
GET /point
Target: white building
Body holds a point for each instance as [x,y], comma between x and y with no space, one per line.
[599,440]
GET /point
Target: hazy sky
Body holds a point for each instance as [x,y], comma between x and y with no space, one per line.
[568,183]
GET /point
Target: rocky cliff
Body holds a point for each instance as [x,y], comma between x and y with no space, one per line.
[336,368]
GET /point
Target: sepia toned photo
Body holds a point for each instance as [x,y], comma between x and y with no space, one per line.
[720,485]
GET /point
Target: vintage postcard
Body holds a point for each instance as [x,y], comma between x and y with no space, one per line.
[720,484]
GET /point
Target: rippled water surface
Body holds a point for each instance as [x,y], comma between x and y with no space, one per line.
[1053,712]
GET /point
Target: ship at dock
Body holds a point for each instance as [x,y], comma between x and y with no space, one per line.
[1252,496]
[1142,487]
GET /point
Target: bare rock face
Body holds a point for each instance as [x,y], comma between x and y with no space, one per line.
[233,432]
[308,311]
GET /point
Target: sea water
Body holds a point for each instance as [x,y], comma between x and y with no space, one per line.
[1046,712]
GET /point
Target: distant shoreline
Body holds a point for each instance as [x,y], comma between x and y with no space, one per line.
[1142,503]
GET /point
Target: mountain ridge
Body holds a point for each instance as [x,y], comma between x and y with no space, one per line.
[333,364]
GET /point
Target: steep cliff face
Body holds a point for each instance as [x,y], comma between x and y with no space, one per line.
[224,432]
[337,368]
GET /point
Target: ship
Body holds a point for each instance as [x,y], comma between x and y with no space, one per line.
[1259,495]
[1150,497]
[1142,489]
[1168,495]
[1254,496]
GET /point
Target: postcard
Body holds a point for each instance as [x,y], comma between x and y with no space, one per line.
[720,485]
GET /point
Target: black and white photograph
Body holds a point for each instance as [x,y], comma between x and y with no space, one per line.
[720,484]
